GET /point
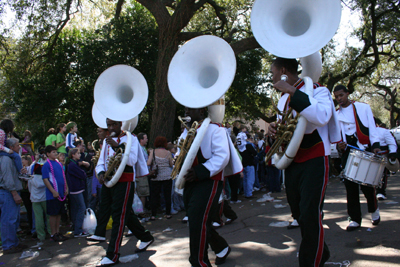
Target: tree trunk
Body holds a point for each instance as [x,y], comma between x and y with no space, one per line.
[164,104]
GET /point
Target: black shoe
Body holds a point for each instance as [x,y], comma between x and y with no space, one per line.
[219,261]
[377,221]
[142,249]
[229,221]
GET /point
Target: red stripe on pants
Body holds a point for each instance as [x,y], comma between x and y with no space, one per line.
[203,235]
[121,223]
[320,248]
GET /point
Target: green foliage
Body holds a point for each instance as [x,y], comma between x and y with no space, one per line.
[59,87]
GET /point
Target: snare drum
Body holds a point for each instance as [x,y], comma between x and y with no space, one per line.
[364,168]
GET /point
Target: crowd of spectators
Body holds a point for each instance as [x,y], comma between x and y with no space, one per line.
[57,182]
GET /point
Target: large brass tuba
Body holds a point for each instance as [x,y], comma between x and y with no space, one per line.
[120,94]
[199,74]
[295,29]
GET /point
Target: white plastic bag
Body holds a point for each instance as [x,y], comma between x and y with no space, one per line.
[137,205]
[89,222]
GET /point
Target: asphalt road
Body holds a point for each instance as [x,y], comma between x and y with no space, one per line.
[254,243]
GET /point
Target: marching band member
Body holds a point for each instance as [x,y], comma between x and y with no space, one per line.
[307,176]
[389,145]
[117,200]
[204,186]
[358,129]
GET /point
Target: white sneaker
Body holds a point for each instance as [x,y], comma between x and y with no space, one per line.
[96,238]
[143,245]
[381,197]
[38,244]
[105,261]
[185,219]
[173,212]
[256,189]
[215,224]
[234,202]
[375,215]
[294,223]
[352,226]
[265,198]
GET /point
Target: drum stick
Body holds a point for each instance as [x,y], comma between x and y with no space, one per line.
[355,147]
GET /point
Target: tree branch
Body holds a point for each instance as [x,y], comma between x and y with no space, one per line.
[245,45]
[118,8]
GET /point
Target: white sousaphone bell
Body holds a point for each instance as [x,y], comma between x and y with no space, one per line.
[120,94]
[296,29]
[199,74]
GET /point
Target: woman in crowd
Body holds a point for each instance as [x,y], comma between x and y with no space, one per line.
[76,178]
[161,159]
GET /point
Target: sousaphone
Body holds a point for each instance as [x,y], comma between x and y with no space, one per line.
[120,94]
[296,29]
[199,74]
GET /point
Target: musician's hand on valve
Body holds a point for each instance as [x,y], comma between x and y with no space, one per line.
[272,129]
[342,146]
[284,87]
[190,176]
[111,142]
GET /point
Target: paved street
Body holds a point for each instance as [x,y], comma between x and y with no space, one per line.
[254,243]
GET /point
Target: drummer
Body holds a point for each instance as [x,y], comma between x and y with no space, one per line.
[359,130]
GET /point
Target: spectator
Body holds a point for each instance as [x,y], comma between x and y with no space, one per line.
[25,195]
[51,138]
[56,192]
[72,128]
[60,141]
[61,159]
[86,164]
[6,128]
[37,189]
[10,201]
[27,144]
[162,159]
[76,178]
[96,186]
[228,128]
[234,180]
[248,155]
[177,199]
[142,183]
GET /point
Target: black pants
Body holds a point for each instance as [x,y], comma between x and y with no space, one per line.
[234,183]
[201,199]
[155,196]
[26,198]
[305,188]
[353,199]
[117,202]
[223,209]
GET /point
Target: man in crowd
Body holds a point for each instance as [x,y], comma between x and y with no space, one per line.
[10,201]
[248,153]
[117,200]
[358,129]
[142,183]
[307,176]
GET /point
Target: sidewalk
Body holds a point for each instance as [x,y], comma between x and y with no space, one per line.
[254,243]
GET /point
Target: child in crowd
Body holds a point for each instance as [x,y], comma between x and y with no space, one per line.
[72,128]
[38,197]
[7,127]
[76,178]
[27,143]
[61,159]
[56,191]
[60,140]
